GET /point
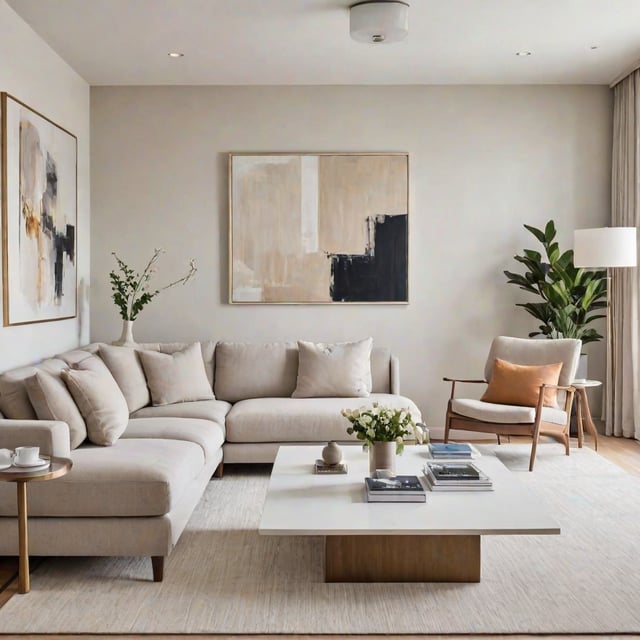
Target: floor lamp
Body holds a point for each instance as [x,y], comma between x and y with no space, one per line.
[606,248]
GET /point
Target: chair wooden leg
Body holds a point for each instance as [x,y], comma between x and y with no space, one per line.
[446,428]
[534,446]
[157,564]
[498,436]
[219,472]
[566,444]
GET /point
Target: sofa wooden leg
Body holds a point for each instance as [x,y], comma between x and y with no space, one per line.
[157,563]
[218,473]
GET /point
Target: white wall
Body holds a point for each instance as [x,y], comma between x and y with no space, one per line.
[31,72]
[484,161]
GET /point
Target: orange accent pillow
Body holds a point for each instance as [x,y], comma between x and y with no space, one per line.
[520,384]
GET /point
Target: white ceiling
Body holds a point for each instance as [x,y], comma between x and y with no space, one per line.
[237,42]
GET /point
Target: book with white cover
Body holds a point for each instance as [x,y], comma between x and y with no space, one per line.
[462,486]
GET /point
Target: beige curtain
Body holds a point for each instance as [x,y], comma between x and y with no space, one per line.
[622,387]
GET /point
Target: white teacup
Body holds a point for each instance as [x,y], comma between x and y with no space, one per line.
[6,457]
[27,455]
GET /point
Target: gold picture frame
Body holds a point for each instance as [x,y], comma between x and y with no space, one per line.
[319,228]
[39,216]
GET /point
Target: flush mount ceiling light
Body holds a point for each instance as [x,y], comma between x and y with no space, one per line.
[523,54]
[175,54]
[379,21]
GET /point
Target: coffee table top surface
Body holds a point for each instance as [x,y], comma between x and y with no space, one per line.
[299,502]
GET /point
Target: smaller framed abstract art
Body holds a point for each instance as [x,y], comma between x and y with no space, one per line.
[314,228]
[39,216]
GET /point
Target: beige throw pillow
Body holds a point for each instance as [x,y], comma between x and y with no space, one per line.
[51,400]
[341,370]
[176,377]
[124,365]
[99,399]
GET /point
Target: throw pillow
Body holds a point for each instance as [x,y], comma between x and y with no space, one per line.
[519,384]
[176,377]
[124,365]
[341,370]
[51,400]
[99,399]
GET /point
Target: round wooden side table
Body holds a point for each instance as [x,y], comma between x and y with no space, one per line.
[583,412]
[21,476]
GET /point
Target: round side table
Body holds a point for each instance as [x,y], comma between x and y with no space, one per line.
[583,412]
[21,476]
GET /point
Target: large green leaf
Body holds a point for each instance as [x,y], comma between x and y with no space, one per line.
[568,298]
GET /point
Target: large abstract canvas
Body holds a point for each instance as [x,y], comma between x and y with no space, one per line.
[39,216]
[319,228]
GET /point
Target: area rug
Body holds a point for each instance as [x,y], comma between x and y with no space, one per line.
[225,578]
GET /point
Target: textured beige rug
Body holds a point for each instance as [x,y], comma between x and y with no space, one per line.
[224,578]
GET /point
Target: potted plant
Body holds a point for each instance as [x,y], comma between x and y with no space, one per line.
[382,431]
[131,293]
[570,298]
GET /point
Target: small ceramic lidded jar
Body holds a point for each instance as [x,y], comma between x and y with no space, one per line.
[332,453]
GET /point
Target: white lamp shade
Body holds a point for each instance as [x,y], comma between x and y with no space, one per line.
[379,21]
[605,247]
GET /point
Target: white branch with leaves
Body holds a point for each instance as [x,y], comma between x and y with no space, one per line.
[130,290]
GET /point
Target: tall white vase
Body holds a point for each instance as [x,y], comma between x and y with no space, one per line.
[126,339]
[382,455]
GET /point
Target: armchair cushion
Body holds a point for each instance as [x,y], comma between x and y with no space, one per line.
[505,413]
[519,384]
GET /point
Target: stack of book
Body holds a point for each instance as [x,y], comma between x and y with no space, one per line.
[452,451]
[456,476]
[397,489]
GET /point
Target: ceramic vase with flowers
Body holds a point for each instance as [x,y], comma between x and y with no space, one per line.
[382,431]
[131,292]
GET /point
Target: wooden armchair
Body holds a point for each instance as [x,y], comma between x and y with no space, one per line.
[512,419]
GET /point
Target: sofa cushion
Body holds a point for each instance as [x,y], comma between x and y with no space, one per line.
[176,377]
[124,365]
[301,419]
[342,369]
[132,478]
[206,434]
[214,410]
[76,356]
[14,400]
[208,348]
[51,400]
[99,399]
[253,370]
[505,413]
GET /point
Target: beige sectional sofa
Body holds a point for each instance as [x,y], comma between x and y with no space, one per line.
[134,498]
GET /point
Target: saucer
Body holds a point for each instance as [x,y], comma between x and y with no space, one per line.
[4,466]
[24,465]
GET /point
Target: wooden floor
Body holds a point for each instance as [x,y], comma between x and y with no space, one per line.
[621,451]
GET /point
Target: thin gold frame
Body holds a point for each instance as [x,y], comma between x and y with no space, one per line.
[5,214]
[313,153]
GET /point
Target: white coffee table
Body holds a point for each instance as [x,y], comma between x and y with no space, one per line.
[436,541]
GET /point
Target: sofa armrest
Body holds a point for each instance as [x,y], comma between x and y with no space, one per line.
[394,377]
[51,436]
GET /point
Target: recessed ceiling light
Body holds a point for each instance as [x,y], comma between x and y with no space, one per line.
[523,54]
[175,54]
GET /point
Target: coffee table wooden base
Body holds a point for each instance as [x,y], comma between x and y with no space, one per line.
[411,558]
